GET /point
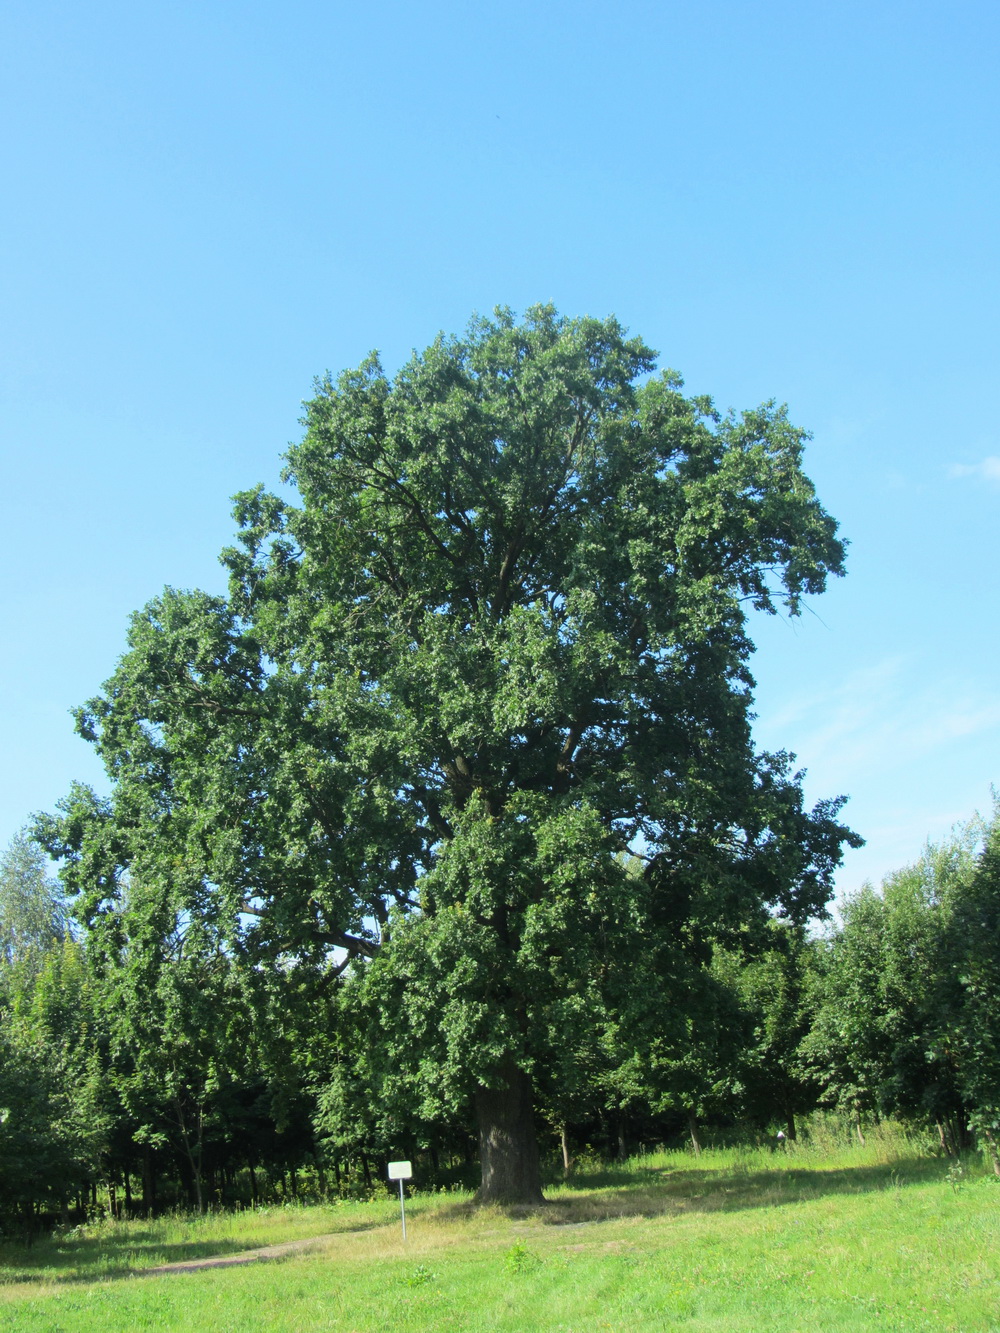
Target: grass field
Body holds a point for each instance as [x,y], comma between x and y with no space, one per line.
[876,1238]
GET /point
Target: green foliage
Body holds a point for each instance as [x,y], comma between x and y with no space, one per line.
[500,644]
[519,1259]
[907,1024]
[970,1032]
[776,990]
[55,1124]
[420,1276]
[32,915]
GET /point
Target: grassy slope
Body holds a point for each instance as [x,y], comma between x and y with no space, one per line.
[855,1240]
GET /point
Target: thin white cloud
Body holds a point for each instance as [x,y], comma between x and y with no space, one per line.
[915,755]
[987,470]
[879,717]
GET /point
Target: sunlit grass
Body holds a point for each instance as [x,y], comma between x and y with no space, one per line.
[821,1237]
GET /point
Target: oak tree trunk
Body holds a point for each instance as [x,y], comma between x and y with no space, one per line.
[508,1147]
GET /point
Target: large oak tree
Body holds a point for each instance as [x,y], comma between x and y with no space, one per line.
[497,645]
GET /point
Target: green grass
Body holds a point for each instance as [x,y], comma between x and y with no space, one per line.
[876,1238]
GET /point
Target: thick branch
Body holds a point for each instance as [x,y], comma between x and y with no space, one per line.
[355,947]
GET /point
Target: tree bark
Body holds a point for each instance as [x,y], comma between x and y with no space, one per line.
[993,1149]
[508,1146]
[193,1154]
[148,1182]
[693,1132]
[857,1126]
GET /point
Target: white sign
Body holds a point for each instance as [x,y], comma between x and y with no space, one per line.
[400,1171]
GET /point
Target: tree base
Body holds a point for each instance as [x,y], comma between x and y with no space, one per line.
[508,1146]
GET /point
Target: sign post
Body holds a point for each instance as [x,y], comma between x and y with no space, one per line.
[401,1171]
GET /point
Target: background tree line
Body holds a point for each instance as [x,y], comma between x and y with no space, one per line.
[204,1087]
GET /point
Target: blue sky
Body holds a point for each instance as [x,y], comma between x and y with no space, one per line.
[207,205]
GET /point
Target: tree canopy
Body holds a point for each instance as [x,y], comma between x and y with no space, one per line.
[32,913]
[497,649]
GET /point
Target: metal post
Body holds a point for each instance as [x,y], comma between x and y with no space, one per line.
[401,1171]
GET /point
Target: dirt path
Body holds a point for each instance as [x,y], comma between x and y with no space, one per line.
[262,1255]
[268,1252]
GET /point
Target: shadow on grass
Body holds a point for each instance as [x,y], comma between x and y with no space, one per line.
[657,1192]
[93,1260]
[101,1258]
